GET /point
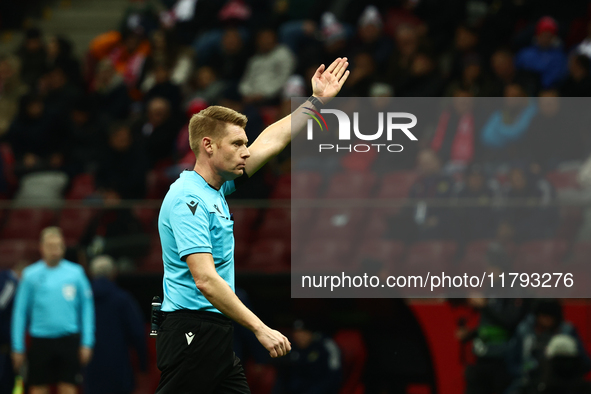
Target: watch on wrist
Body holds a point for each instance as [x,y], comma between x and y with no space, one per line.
[316,102]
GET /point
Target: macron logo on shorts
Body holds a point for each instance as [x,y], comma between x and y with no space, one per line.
[190,337]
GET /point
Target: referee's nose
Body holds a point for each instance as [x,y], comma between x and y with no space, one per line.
[246,153]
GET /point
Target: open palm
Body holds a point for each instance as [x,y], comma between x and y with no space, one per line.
[327,83]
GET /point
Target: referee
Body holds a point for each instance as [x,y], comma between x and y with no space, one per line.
[194,344]
[54,304]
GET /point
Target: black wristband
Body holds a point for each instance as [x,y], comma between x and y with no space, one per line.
[316,102]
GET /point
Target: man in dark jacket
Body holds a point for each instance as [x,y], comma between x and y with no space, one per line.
[119,326]
[314,365]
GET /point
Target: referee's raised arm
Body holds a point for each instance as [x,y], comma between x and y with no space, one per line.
[221,296]
[326,84]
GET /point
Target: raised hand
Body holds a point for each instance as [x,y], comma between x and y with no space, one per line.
[327,83]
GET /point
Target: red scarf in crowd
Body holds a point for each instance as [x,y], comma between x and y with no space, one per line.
[462,147]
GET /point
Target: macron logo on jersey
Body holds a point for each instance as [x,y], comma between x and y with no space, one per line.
[190,337]
[192,206]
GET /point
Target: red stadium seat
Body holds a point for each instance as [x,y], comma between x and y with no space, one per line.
[571,219]
[245,220]
[157,184]
[581,254]
[269,114]
[147,216]
[351,185]
[268,256]
[354,356]
[322,256]
[337,223]
[563,179]
[276,224]
[14,250]
[153,261]
[305,184]
[241,252]
[26,223]
[540,256]
[474,261]
[82,186]
[389,252]
[282,188]
[73,222]
[429,256]
[396,186]
[376,224]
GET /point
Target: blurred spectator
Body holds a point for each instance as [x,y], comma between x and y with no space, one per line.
[207,85]
[491,340]
[476,218]
[36,137]
[127,51]
[314,364]
[123,165]
[505,127]
[504,73]
[59,93]
[167,51]
[371,38]
[230,59]
[362,76]
[12,90]
[119,328]
[546,57]
[110,93]
[578,82]
[54,305]
[140,16]
[268,70]
[464,51]
[554,135]
[584,48]
[87,137]
[471,78]
[534,218]
[158,130]
[333,42]
[563,374]
[527,355]
[419,221]
[32,56]
[407,46]
[165,88]
[8,283]
[59,54]
[116,231]
[455,135]
[423,79]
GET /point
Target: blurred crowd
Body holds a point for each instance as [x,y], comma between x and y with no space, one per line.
[125,104]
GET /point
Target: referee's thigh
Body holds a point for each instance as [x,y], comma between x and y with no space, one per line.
[196,356]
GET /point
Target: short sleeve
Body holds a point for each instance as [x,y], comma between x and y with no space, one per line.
[228,187]
[189,220]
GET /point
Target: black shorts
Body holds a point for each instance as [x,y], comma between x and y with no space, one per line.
[54,360]
[194,355]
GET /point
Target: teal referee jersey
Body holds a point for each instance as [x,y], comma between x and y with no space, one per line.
[194,218]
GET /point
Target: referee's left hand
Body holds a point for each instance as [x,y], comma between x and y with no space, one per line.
[275,342]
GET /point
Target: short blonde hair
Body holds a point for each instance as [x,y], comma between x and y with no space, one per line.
[48,231]
[211,122]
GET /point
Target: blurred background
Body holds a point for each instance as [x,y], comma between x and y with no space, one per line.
[95,97]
